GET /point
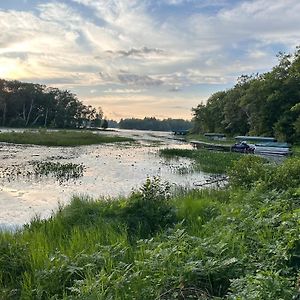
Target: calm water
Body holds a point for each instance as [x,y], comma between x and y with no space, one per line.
[110,170]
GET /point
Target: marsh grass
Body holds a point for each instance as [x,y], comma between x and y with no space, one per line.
[38,169]
[204,160]
[60,171]
[241,242]
[199,137]
[59,138]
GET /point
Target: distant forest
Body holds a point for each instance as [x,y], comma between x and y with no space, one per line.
[155,124]
[265,105]
[34,105]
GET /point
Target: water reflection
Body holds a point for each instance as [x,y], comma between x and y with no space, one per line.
[109,170]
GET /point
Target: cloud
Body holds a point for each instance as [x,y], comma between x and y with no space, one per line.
[138,80]
[260,21]
[133,52]
[198,3]
[124,91]
[106,77]
[126,78]
[121,46]
[175,89]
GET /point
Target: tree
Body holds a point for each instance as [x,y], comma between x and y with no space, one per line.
[27,105]
[258,104]
[104,124]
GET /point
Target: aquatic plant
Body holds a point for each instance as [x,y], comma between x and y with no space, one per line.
[66,138]
[39,169]
[203,160]
[60,171]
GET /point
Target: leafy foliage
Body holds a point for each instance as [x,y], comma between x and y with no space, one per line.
[28,105]
[252,171]
[155,124]
[247,171]
[149,209]
[266,104]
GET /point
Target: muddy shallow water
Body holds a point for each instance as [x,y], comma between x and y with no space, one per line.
[109,170]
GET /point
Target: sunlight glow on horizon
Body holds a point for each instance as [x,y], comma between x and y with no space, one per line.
[9,72]
[158,58]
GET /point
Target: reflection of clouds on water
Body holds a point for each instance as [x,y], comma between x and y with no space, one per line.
[110,170]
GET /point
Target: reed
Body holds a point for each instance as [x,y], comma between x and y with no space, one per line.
[204,160]
[68,138]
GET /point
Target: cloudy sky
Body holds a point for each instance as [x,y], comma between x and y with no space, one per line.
[144,57]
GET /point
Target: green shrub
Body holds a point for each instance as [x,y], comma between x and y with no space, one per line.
[149,209]
[264,285]
[251,170]
[62,272]
[286,175]
[247,171]
[174,265]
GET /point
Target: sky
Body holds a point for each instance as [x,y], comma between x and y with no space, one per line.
[138,58]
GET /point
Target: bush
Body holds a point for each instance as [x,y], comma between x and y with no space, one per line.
[266,285]
[149,209]
[286,175]
[247,171]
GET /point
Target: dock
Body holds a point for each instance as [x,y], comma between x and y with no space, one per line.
[210,146]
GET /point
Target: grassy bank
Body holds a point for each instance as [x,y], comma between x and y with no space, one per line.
[241,242]
[200,137]
[204,160]
[59,138]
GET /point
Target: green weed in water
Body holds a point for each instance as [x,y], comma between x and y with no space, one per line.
[60,171]
[39,169]
[68,138]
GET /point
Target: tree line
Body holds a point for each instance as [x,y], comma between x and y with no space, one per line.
[265,104]
[29,105]
[155,124]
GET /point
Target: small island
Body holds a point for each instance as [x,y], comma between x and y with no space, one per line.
[66,138]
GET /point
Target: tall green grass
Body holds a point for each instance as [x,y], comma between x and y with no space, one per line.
[296,150]
[59,138]
[240,242]
[204,160]
[200,137]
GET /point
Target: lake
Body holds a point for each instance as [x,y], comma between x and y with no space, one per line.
[110,170]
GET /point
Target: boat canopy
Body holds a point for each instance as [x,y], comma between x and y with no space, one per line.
[273,144]
[255,138]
